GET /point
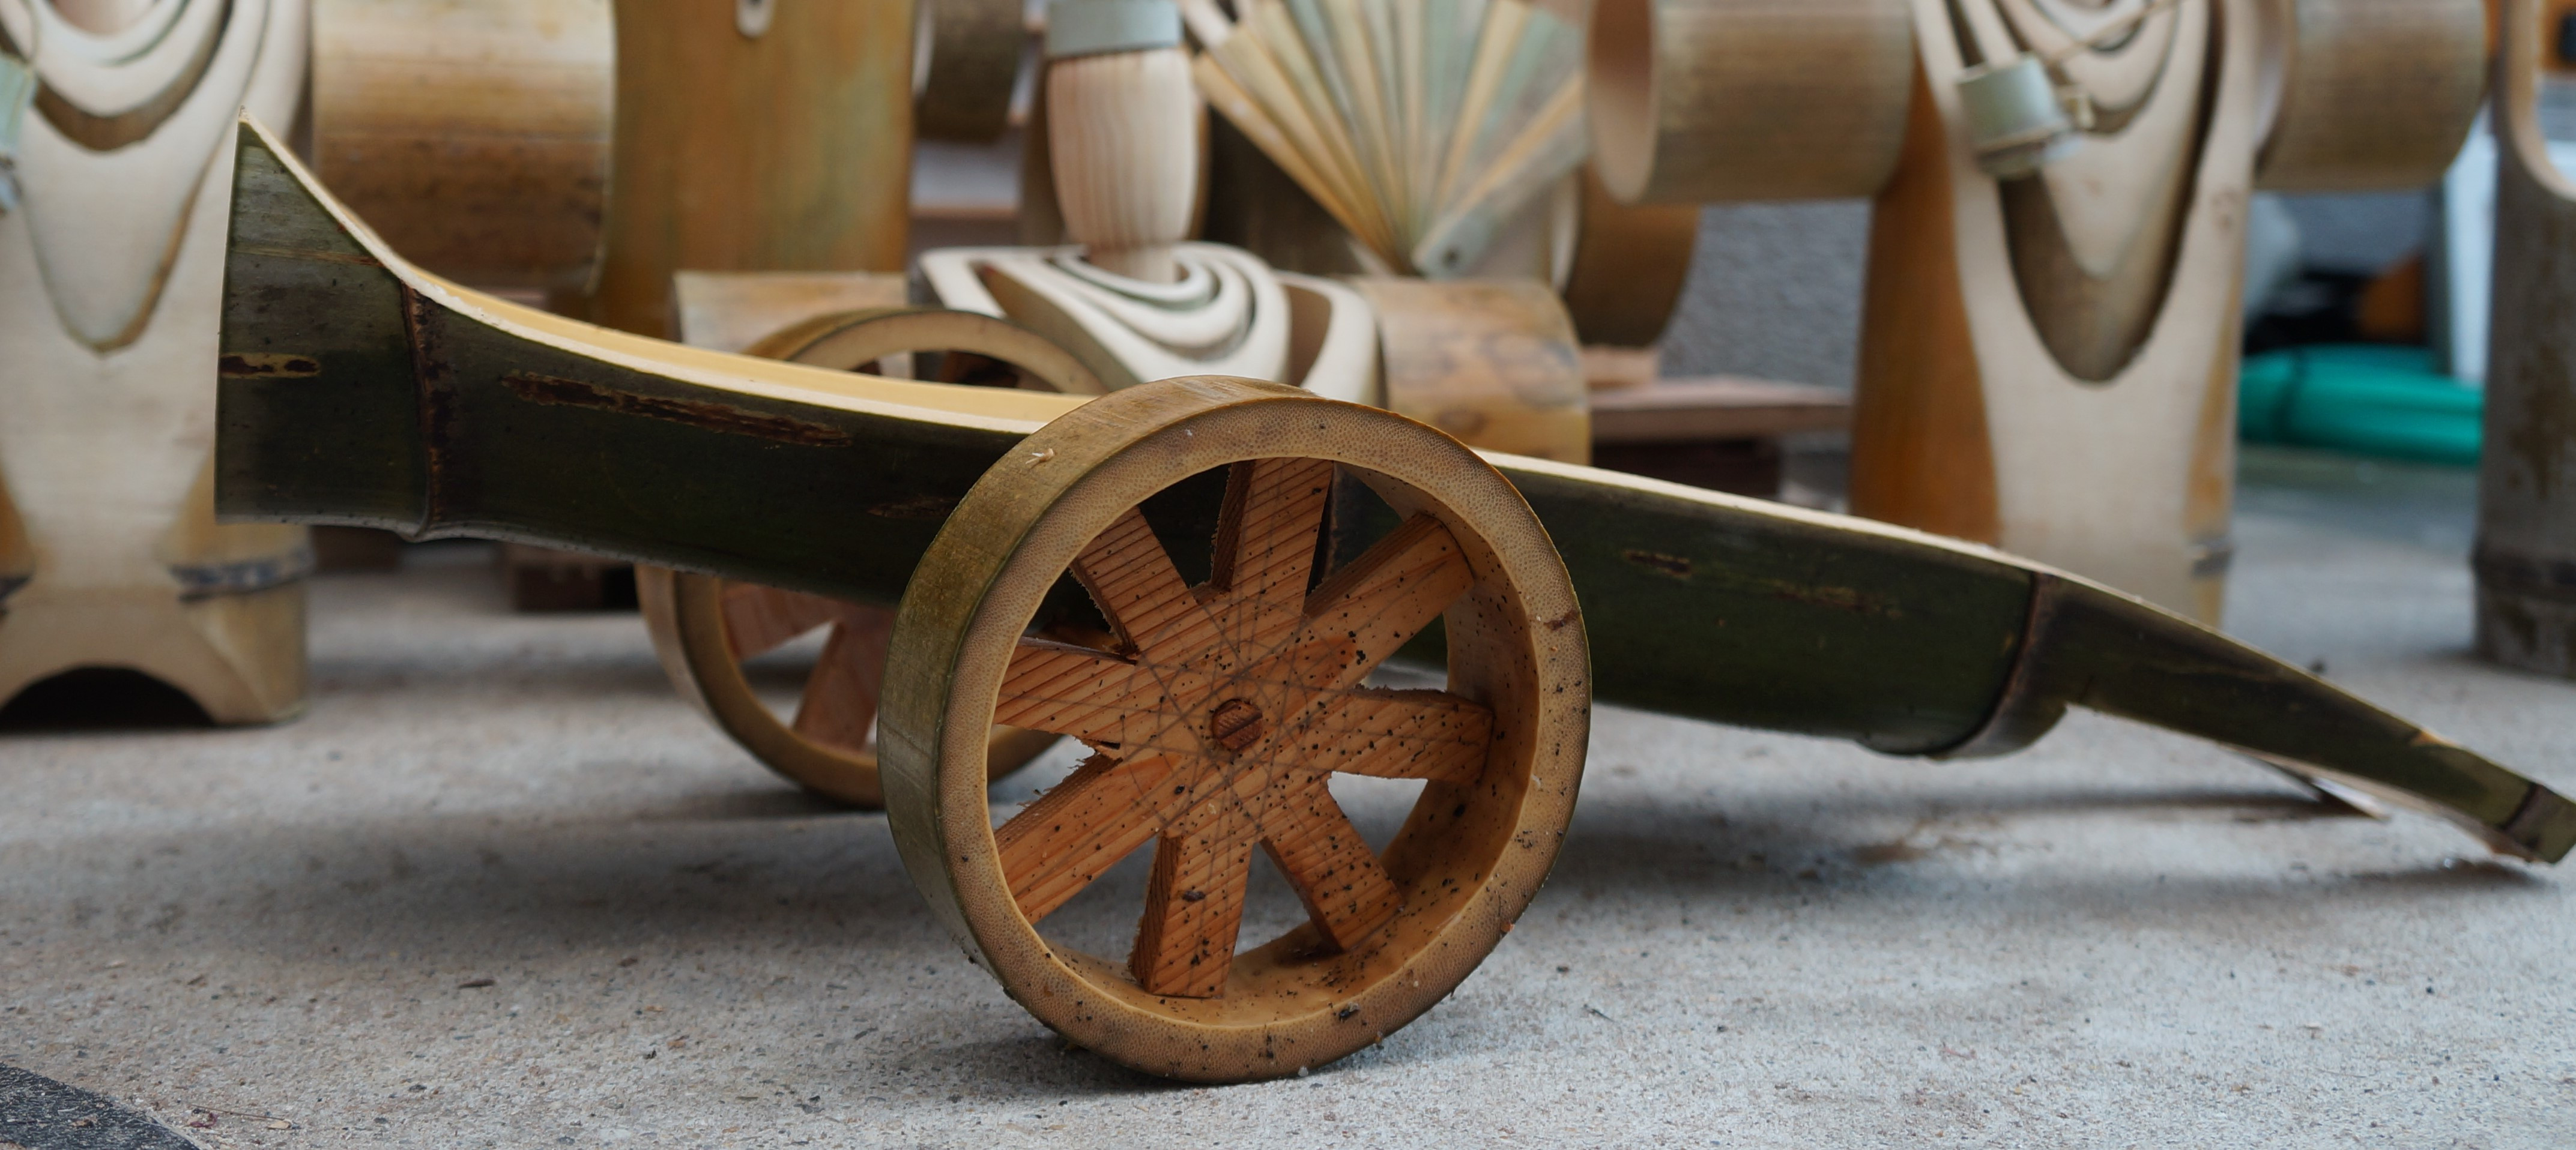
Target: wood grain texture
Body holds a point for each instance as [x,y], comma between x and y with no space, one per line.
[1123,134]
[2526,554]
[1695,101]
[1243,696]
[1388,932]
[1493,362]
[2372,94]
[789,152]
[473,135]
[529,426]
[111,291]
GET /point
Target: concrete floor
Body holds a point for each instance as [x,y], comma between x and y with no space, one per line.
[2120,938]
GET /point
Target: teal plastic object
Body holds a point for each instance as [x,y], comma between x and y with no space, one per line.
[2366,399]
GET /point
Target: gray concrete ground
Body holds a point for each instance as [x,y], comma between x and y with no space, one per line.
[500,889]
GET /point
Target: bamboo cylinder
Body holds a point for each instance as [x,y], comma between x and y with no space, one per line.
[966,60]
[2369,94]
[2526,552]
[1123,133]
[786,151]
[1695,101]
[473,135]
[1629,266]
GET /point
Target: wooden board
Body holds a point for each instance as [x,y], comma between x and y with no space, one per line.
[111,282]
[528,426]
[790,151]
[473,135]
[1717,407]
[2526,553]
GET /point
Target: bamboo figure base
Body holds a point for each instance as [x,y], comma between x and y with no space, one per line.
[1219,713]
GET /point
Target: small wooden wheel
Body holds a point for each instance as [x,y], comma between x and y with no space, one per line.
[703,627]
[1218,713]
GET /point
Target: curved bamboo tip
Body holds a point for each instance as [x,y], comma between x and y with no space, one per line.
[2544,830]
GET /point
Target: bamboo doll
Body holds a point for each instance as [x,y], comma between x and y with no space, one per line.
[113,261]
[2049,342]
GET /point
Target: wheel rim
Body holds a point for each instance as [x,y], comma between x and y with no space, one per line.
[703,626]
[1218,714]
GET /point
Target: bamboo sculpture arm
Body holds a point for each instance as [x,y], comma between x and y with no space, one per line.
[355,389]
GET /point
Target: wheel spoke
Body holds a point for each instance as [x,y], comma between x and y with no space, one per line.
[1194,905]
[1073,834]
[840,700]
[1396,735]
[1097,697]
[1364,612]
[1132,579]
[1265,542]
[759,618]
[1345,889]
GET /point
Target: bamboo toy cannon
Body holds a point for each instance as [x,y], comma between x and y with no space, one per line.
[2048,350]
[1041,551]
[2526,555]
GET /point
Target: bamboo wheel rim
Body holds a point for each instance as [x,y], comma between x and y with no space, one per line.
[1471,854]
[704,626]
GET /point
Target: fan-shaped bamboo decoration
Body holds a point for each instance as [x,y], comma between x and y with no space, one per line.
[1420,125]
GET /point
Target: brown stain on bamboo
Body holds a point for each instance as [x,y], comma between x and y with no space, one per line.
[560,392]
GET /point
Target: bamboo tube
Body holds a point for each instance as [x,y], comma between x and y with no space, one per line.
[1696,101]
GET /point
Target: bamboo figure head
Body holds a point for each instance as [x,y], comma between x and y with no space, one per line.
[1123,127]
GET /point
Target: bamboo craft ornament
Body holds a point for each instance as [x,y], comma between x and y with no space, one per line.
[2047,361]
[112,257]
[1422,126]
[1134,301]
[1218,711]
[2526,553]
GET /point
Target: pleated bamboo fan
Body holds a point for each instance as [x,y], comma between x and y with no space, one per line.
[1421,125]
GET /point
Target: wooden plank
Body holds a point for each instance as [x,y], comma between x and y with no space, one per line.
[1716,407]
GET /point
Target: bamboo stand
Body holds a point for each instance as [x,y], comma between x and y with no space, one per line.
[2526,556]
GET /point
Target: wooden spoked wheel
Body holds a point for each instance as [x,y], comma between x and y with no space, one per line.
[1219,713]
[703,627]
